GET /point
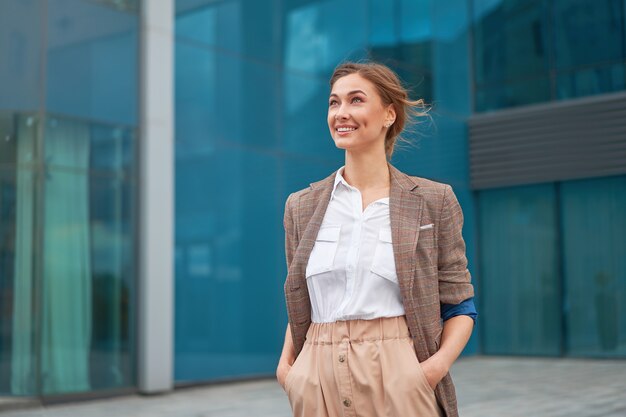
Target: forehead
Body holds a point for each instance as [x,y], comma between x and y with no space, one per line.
[353,82]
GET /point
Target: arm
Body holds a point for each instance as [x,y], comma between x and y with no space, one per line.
[455,289]
[288,354]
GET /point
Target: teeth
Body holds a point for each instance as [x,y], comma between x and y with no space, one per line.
[346,129]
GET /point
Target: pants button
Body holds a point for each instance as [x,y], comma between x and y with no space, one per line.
[342,358]
[347,402]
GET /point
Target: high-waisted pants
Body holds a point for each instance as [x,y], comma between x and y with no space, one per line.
[364,368]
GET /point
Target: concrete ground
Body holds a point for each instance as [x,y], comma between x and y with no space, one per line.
[486,387]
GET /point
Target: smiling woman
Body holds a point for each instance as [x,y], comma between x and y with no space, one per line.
[378,293]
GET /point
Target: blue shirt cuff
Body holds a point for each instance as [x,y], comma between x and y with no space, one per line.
[464,308]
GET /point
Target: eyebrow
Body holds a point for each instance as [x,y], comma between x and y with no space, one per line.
[350,93]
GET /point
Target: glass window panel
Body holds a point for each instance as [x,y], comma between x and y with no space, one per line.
[227,233]
[590,81]
[520,93]
[92,52]
[113,271]
[21,52]
[17,312]
[305,117]
[588,32]
[594,226]
[383,16]
[520,291]
[87,287]
[509,40]
[315,36]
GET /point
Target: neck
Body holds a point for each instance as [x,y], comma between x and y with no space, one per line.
[366,171]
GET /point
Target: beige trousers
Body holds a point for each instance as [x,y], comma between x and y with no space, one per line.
[364,368]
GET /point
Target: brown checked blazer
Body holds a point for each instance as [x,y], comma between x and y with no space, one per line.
[430,263]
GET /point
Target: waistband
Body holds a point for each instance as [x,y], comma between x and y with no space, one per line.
[358,330]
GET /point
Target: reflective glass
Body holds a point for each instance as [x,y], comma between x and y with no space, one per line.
[315,39]
[594,226]
[88,261]
[588,32]
[520,284]
[494,97]
[92,53]
[221,98]
[228,265]
[510,40]
[590,81]
[21,52]
[18,315]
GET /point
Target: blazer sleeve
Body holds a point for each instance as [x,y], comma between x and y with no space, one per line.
[454,277]
[289,224]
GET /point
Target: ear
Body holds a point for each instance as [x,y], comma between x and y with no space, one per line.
[390,114]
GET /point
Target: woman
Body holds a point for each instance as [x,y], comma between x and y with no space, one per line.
[376,262]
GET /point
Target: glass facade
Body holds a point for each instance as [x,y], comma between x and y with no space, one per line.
[533,51]
[68,129]
[552,268]
[251,103]
[251,89]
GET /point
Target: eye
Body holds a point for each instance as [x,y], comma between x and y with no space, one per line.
[332,102]
[357,98]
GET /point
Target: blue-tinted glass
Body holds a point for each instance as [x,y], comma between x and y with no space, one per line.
[521,294]
[21,52]
[590,81]
[513,94]
[18,322]
[113,276]
[222,98]
[305,114]
[92,61]
[112,150]
[594,226]
[509,40]
[316,39]
[88,258]
[199,25]
[415,21]
[196,99]
[588,32]
[247,28]
[451,58]
[383,23]
[228,257]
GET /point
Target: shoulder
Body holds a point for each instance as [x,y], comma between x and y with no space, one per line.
[311,192]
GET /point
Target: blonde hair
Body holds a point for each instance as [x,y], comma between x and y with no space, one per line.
[391,91]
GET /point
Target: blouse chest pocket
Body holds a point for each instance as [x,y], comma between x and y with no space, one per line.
[323,254]
[383,263]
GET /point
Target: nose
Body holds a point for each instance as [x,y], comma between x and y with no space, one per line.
[341,113]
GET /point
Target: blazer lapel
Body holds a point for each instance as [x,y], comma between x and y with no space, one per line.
[405,212]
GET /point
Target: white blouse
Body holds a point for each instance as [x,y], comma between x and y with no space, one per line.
[351,272]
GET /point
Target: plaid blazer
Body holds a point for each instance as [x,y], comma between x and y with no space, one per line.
[430,263]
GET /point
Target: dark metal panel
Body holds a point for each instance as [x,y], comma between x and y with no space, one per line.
[579,138]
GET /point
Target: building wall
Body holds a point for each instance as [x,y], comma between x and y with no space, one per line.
[551,250]
[68,123]
[251,97]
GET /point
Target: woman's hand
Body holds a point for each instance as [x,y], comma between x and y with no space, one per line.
[434,369]
[281,372]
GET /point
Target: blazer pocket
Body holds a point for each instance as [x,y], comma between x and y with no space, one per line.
[384,263]
[323,254]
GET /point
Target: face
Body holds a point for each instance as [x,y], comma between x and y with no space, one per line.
[357,115]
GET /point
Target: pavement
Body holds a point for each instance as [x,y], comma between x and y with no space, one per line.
[486,386]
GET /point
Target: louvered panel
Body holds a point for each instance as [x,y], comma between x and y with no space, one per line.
[549,142]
